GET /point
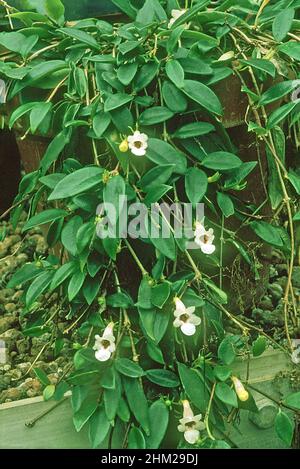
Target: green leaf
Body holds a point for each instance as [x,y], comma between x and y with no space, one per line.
[145,76]
[160,294]
[126,73]
[155,115]
[20,111]
[203,95]
[81,36]
[45,217]
[284,427]
[259,346]
[267,232]
[100,123]
[156,194]
[195,129]
[216,292]
[54,9]
[75,183]
[119,300]
[262,65]
[137,402]
[195,185]
[294,179]
[283,23]
[62,273]
[164,378]
[173,97]
[226,351]
[194,386]
[112,398]
[222,372]
[136,439]
[225,203]
[175,73]
[226,394]
[98,427]
[37,287]
[126,6]
[293,400]
[151,11]
[87,409]
[53,151]
[221,161]
[274,186]
[191,13]
[114,101]
[69,233]
[165,244]
[162,153]
[291,48]
[42,377]
[52,179]
[159,419]
[278,91]
[75,284]
[38,73]
[296,217]
[281,113]
[128,368]
[156,176]
[48,392]
[113,191]
[90,289]
[24,274]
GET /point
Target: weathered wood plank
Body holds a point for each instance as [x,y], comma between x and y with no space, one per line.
[54,431]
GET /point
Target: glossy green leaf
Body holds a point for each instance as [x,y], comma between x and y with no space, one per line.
[175,73]
[278,91]
[195,185]
[38,286]
[155,115]
[75,284]
[98,427]
[162,153]
[75,183]
[128,368]
[81,36]
[136,439]
[221,161]
[283,23]
[159,419]
[225,203]
[194,129]
[226,394]
[203,95]
[284,427]
[137,402]
[164,378]
[44,217]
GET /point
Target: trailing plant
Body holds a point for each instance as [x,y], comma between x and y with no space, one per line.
[131,109]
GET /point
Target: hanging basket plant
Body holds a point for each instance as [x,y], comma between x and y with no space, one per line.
[151,197]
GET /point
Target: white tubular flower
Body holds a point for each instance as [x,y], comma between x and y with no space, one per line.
[105,345]
[241,392]
[190,424]
[138,143]
[175,15]
[204,238]
[185,318]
